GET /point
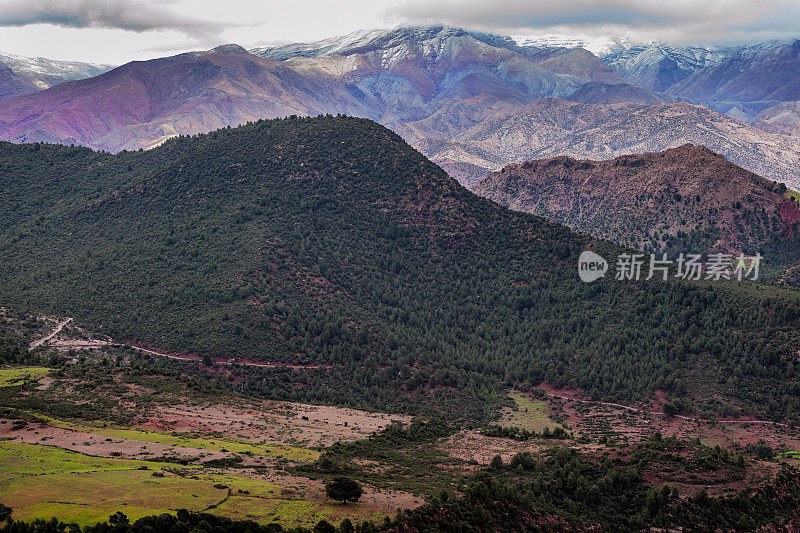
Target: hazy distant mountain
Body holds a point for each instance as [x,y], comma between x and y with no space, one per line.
[11,84]
[658,66]
[23,75]
[573,61]
[599,46]
[603,93]
[748,80]
[680,199]
[740,81]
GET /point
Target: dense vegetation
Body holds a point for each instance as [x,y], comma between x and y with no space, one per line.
[13,348]
[330,241]
[566,492]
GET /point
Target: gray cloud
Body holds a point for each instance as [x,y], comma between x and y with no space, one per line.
[675,20]
[130,15]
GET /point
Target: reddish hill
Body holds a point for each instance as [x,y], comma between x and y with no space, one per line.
[686,198]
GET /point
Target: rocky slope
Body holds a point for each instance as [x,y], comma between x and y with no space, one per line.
[783,118]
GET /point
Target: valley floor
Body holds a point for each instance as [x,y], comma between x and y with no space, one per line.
[83,440]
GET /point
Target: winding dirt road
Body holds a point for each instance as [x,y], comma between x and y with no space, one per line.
[59,327]
[97,343]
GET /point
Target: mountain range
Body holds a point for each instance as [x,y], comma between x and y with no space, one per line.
[416,259]
[747,80]
[488,135]
[142,103]
[472,102]
[659,66]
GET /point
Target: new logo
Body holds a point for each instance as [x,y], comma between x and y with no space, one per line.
[591,266]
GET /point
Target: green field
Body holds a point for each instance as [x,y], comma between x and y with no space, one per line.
[527,413]
[10,377]
[44,481]
[291,453]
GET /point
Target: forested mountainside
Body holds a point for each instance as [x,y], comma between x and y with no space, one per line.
[686,199]
[329,241]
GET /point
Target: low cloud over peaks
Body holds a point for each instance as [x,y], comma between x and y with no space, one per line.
[678,20]
[129,15]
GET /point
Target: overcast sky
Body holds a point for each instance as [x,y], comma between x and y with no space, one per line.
[117,31]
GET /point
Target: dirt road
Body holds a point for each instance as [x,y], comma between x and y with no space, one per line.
[59,327]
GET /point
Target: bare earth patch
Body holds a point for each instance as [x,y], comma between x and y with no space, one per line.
[472,446]
[279,422]
[97,445]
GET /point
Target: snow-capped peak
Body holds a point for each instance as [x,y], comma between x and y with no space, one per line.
[596,45]
[42,68]
[378,39]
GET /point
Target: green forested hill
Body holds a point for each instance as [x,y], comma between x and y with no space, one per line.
[330,240]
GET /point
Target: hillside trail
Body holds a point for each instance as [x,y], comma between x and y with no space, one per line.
[97,343]
[59,327]
[231,362]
